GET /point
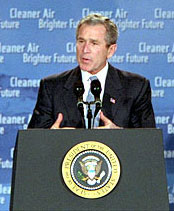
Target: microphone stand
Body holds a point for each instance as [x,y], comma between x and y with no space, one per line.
[89,113]
[89,116]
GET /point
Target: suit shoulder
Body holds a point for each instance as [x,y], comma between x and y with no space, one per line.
[131,76]
[127,76]
[58,77]
[130,81]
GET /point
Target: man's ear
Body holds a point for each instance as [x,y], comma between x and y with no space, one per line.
[111,50]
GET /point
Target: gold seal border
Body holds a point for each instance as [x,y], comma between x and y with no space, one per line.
[91,145]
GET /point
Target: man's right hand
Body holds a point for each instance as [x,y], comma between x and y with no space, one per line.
[58,121]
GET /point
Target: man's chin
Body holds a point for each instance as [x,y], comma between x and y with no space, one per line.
[89,71]
[85,68]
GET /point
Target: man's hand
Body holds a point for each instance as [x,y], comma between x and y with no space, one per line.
[58,121]
[108,124]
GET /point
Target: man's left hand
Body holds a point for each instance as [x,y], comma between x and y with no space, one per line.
[108,124]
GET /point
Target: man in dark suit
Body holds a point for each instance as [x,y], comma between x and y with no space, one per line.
[126,97]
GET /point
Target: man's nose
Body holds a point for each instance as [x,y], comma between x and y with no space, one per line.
[86,48]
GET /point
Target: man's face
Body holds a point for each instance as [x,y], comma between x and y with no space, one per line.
[92,50]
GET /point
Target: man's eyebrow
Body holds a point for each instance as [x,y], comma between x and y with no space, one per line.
[80,38]
[91,40]
[94,40]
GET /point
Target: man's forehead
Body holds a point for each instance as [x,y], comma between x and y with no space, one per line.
[85,25]
[93,31]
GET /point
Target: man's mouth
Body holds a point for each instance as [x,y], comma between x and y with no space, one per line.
[86,60]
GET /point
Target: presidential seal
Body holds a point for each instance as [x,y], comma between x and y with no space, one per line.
[91,169]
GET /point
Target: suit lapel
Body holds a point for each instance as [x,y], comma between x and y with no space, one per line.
[70,99]
[112,93]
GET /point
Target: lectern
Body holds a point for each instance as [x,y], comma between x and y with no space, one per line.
[41,179]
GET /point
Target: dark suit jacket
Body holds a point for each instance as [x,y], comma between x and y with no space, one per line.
[126,101]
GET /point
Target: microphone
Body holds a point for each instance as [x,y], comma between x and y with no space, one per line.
[96,90]
[79,91]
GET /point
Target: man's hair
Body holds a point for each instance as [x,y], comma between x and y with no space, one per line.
[95,19]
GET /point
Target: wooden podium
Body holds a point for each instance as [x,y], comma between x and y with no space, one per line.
[37,182]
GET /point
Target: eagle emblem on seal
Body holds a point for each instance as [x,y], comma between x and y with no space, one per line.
[91,170]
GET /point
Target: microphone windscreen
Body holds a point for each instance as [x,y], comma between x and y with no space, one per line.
[79,88]
[96,88]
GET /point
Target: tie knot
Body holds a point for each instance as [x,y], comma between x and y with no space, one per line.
[93,78]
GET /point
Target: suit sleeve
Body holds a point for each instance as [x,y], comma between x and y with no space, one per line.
[42,115]
[142,113]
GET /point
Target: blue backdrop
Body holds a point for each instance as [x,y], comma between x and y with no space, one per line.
[37,38]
